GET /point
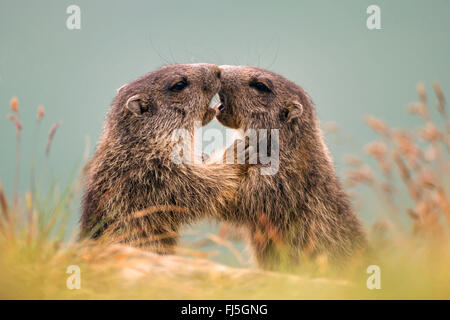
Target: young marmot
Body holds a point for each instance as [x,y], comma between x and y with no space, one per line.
[135,192]
[301,209]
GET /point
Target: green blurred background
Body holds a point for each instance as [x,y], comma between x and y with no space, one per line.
[324,46]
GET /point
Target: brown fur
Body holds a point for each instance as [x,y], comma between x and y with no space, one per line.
[134,192]
[302,210]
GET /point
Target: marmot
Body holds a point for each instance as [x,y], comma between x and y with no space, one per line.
[134,191]
[302,209]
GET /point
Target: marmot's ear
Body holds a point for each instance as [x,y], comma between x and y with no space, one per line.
[139,103]
[293,110]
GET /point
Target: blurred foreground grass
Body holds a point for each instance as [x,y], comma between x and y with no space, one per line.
[408,184]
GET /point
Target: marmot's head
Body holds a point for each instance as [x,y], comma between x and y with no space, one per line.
[253,98]
[172,97]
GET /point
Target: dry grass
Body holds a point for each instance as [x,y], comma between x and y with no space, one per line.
[407,192]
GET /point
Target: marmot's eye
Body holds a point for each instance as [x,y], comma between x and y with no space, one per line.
[259,86]
[180,85]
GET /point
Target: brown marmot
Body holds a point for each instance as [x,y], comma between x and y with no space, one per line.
[135,193]
[302,209]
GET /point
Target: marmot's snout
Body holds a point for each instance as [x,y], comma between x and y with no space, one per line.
[225,112]
[211,85]
[211,77]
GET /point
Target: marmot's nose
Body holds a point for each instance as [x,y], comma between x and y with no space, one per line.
[211,69]
[218,71]
[211,76]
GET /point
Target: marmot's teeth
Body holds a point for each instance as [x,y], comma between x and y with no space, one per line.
[214,101]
